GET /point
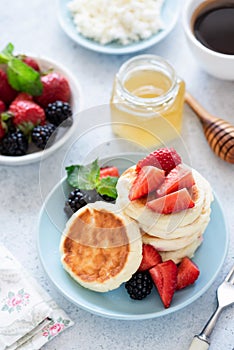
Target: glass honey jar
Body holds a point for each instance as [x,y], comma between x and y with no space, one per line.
[147,101]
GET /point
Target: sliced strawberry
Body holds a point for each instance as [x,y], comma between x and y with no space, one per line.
[147,180]
[172,203]
[179,177]
[188,273]
[150,257]
[109,171]
[163,158]
[164,276]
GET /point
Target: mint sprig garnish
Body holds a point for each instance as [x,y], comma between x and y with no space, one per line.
[20,76]
[88,178]
[107,186]
[6,53]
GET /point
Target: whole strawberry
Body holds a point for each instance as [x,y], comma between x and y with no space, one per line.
[2,106]
[31,63]
[25,111]
[2,130]
[162,158]
[7,93]
[55,88]
[3,125]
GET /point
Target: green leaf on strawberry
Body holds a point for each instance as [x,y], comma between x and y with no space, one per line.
[20,76]
[88,178]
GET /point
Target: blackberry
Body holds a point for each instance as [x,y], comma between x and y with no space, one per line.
[139,285]
[78,199]
[105,198]
[15,143]
[41,135]
[58,111]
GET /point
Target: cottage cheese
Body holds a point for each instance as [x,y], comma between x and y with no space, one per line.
[124,21]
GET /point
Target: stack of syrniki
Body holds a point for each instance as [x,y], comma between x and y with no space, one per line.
[161,202]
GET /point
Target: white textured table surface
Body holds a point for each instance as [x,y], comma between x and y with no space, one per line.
[32,26]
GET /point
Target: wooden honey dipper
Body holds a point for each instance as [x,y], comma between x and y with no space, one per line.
[218,132]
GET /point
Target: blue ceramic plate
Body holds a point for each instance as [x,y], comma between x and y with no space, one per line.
[117,304]
[169,15]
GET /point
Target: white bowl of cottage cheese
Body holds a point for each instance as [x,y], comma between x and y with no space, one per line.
[119,26]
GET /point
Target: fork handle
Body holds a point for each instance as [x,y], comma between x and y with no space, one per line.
[199,343]
[208,329]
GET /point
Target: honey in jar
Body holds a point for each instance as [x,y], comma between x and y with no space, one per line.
[147,101]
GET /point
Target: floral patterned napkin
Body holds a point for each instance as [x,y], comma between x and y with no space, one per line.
[28,316]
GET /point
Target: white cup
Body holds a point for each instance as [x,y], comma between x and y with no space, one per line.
[217,64]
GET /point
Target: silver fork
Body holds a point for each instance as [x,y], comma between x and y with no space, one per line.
[225,297]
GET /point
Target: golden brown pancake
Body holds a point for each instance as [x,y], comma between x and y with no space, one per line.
[101,248]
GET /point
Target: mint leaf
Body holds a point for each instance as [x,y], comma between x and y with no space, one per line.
[94,171]
[88,176]
[83,177]
[72,175]
[7,53]
[23,78]
[107,186]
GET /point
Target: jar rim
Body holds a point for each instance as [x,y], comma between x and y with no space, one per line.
[155,61]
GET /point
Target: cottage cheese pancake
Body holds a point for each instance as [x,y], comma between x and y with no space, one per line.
[101,247]
[173,226]
[161,244]
[179,254]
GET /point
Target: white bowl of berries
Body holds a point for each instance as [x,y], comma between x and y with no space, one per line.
[39,101]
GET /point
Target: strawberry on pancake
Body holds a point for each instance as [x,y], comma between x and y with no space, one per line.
[174,214]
